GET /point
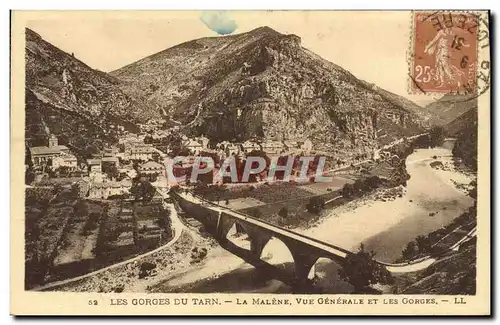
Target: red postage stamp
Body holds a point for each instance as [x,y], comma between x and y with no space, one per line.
[444,52]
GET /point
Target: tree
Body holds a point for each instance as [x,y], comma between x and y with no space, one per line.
[372,182]
[146,269]
[361,270]
[200,188]
[255,212]
[218,191]
[436,136]
[315,205]
[156,157]
[358,187]
[111,170]
[465,146]
[423,244]
[473,192]
[29,176]
[348,190]
[142,189]
[283,212]
[57,188]
[80,209]
[411,251]
[91,150]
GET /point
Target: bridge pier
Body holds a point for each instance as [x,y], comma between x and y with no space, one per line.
[304,261]
[258,238]
[223,226]
[305,251]
[258,241]
[303,267]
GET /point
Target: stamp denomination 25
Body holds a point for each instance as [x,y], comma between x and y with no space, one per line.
[444,52]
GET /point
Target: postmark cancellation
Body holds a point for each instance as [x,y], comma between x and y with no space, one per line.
[444,52]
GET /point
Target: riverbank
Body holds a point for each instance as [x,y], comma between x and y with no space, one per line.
[428,202]
[382,224]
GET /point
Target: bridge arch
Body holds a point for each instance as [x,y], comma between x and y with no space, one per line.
[277,253]
[324,271]
[239,236]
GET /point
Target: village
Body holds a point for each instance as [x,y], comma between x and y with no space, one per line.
[115,204]
[111,173]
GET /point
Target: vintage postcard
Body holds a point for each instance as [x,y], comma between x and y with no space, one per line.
[250,163]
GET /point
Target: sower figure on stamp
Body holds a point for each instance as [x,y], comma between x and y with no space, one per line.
[441,44]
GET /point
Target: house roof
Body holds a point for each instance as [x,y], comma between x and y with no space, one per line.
[68,157]
[192,143]
[141,149]
[94,161]
[127,167]
[150,165]
[109,159]
[61,147]
[272,144]
[44,151]
[123,183]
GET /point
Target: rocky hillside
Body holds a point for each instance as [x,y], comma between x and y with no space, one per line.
[265,84]
[464,128]
[66,97]
[464,121]
[425,117]
[449,107]
[452,275]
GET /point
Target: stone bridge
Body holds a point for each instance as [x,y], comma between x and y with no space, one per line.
[219,220]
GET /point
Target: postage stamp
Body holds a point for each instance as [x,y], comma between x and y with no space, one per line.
[444,52]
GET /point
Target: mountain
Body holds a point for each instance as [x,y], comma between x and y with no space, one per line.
[424,116]
[80,105]
[263,84]
[464,121]
[465,128]
[449,107]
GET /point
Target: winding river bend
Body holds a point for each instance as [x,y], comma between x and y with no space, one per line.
[430,201]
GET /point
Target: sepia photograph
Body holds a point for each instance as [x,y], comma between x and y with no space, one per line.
[308,158]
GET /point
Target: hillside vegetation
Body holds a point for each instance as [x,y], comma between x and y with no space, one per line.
[66,97]
[263,84]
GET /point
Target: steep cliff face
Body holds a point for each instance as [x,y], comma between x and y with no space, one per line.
[464,121]
[264,84]
[70,84]
[58,86]
[449,107]
[465,128]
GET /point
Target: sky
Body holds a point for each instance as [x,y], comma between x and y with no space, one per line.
[371,45]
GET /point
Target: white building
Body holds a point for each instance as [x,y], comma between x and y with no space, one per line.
[128,170]
[65,160]
[110,188]
[272,147]
[196,145]
[249,146]
[94,165]
[139,152]
[110,160]
[307,146]
[151,168]
[47,154]
[229,148]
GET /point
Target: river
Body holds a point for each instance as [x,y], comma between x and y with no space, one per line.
[430,201]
